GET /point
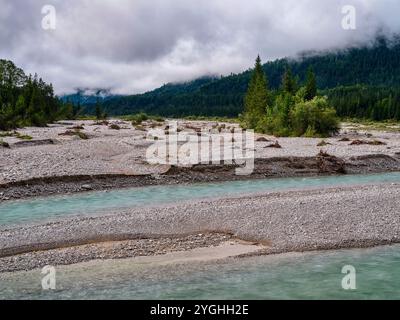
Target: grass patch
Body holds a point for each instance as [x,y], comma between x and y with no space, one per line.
[363,124]
[23,136]
[138,118]
[6,134]
[213,119]
[77,133]
[16,135]
[86,117]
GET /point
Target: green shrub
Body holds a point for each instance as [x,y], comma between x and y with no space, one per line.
[6,134]
[137,119]
[15,134]
[158,119]
[310,132]
[77,133]
[314,118]
[23,136]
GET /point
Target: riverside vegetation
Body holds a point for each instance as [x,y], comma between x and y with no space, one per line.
[28,100]
[358,83]
[295,111]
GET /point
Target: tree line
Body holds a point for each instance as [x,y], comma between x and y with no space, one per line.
[366,102]
[339,75]
[358,83]
[293,110]
[26,100]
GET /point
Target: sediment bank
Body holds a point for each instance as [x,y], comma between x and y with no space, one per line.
[292,221]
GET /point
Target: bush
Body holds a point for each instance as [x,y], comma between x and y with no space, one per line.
[77,133]
[158,119]
[15,134]
[137,119]
[23,136]
[299,118]
[310,133]
[314,118]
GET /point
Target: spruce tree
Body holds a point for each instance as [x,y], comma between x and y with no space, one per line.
[311,85]
[256,99]
[99,111]
[288,82]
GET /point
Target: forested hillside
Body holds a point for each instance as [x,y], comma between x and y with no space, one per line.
[375,103]
[27,100]
[364,82]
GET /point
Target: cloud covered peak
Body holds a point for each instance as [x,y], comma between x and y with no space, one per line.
[132,46]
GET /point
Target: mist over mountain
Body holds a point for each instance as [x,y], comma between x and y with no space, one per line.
[87,96]
[376,65]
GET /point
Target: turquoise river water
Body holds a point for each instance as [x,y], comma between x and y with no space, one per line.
[314,275]
[41,209]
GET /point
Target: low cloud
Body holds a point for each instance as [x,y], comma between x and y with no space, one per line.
[137,45]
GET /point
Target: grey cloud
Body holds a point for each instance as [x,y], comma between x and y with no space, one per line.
[133,46]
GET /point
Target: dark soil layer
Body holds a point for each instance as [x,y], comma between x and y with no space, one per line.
[322,164]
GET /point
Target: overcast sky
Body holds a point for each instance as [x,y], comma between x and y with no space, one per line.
[131,46]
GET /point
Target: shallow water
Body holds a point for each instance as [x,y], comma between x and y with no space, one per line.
[41,209]
[314,275]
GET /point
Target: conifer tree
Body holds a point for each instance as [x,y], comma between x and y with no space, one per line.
[25,100]
[288,82]
[99,111]
[311,85]
[256,99]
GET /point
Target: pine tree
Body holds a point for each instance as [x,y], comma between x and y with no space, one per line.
[256,99]
[288,82]
[311,85]
[99,111]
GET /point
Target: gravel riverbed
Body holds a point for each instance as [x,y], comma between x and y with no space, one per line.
[123,151]
[298,221]
[52,164]
[111,250]
[55,163]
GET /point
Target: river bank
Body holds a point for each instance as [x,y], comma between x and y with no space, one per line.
[54,163]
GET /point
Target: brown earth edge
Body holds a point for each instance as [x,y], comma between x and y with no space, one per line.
[279,167]
[110,248]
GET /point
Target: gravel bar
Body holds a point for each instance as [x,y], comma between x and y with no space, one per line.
[290,221]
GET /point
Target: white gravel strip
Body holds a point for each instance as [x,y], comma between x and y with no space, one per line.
[123,151]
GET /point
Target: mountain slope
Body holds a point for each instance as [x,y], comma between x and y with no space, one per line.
[377,66]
